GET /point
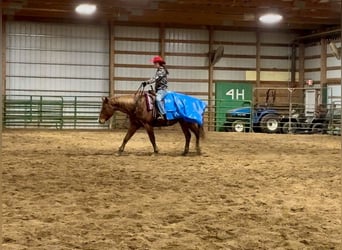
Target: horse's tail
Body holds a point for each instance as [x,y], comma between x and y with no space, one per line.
[201,131]
[201,128]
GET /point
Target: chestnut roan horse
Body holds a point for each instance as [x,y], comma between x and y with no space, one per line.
[139,116]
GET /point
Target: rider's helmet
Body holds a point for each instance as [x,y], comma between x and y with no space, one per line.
[158,59]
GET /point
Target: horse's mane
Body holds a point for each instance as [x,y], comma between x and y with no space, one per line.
[124,102]
[124,99]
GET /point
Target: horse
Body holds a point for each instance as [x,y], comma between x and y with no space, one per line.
[135,106]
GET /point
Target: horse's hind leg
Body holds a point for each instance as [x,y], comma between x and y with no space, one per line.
[197,131]
[150,132]
[187,135]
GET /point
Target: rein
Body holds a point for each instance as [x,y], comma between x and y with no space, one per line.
[141,90]
[138,94]
[142,93]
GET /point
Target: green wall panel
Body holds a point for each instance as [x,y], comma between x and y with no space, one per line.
[230,95]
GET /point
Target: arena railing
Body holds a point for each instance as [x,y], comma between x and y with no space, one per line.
[55,112]
[81,112]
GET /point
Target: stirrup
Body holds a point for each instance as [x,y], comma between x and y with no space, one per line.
[160,117]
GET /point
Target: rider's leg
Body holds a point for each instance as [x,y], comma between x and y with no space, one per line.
[159,101]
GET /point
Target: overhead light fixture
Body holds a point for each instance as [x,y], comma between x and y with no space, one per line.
[86,9]
[270,18]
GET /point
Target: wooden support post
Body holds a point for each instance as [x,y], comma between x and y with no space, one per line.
[1,93]
[301,69]
[111,59]
[341,101]
[323,79]
[3,61]
[293,66]
[111,65]
[210,84]
[258,66]
[162,41]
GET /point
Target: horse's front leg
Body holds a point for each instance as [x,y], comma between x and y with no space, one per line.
[131,131]
[150,132]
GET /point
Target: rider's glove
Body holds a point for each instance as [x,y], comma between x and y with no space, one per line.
[144,84]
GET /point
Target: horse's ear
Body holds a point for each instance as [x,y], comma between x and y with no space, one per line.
[105,99]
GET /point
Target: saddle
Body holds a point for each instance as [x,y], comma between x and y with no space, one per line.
[150,98]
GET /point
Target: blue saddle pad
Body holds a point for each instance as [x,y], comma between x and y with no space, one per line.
[182,106]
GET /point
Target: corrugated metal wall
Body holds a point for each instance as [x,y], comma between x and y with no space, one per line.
[333,65]
[239,55]
[312,63]
[275,67]
[55,74]
[133,49]
[186,53]
[333,78]
[73,60]
[240,61]
[46,58]
[275,52]
[330,73]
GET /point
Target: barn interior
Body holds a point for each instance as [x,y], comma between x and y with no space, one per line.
[50,49]
[65,186]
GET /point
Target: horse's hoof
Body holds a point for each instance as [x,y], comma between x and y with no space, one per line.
[119,153]
[185,153]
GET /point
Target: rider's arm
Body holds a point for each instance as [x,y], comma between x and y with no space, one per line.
[161,72]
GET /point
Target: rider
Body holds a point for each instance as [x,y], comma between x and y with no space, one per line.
[160,80]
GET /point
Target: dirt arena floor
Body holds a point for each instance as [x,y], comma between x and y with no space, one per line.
[68,190]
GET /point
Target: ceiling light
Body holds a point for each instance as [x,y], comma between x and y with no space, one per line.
[86,9]
[270,18]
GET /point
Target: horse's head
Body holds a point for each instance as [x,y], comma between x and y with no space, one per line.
[107,110]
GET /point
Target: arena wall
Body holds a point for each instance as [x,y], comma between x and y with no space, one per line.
[88,61]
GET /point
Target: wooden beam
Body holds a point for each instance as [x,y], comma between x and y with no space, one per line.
[179,80]
[1,93]
[341,91]
[111,59]
[293,65]
[111,37]
[211,84]
[323,78]
[3,61]
[258,64]
[140,39]
[301,69]
[162,41]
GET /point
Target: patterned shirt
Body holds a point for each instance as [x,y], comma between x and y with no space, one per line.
[160,79]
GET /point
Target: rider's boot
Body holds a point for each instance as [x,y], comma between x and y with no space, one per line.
[160,117]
